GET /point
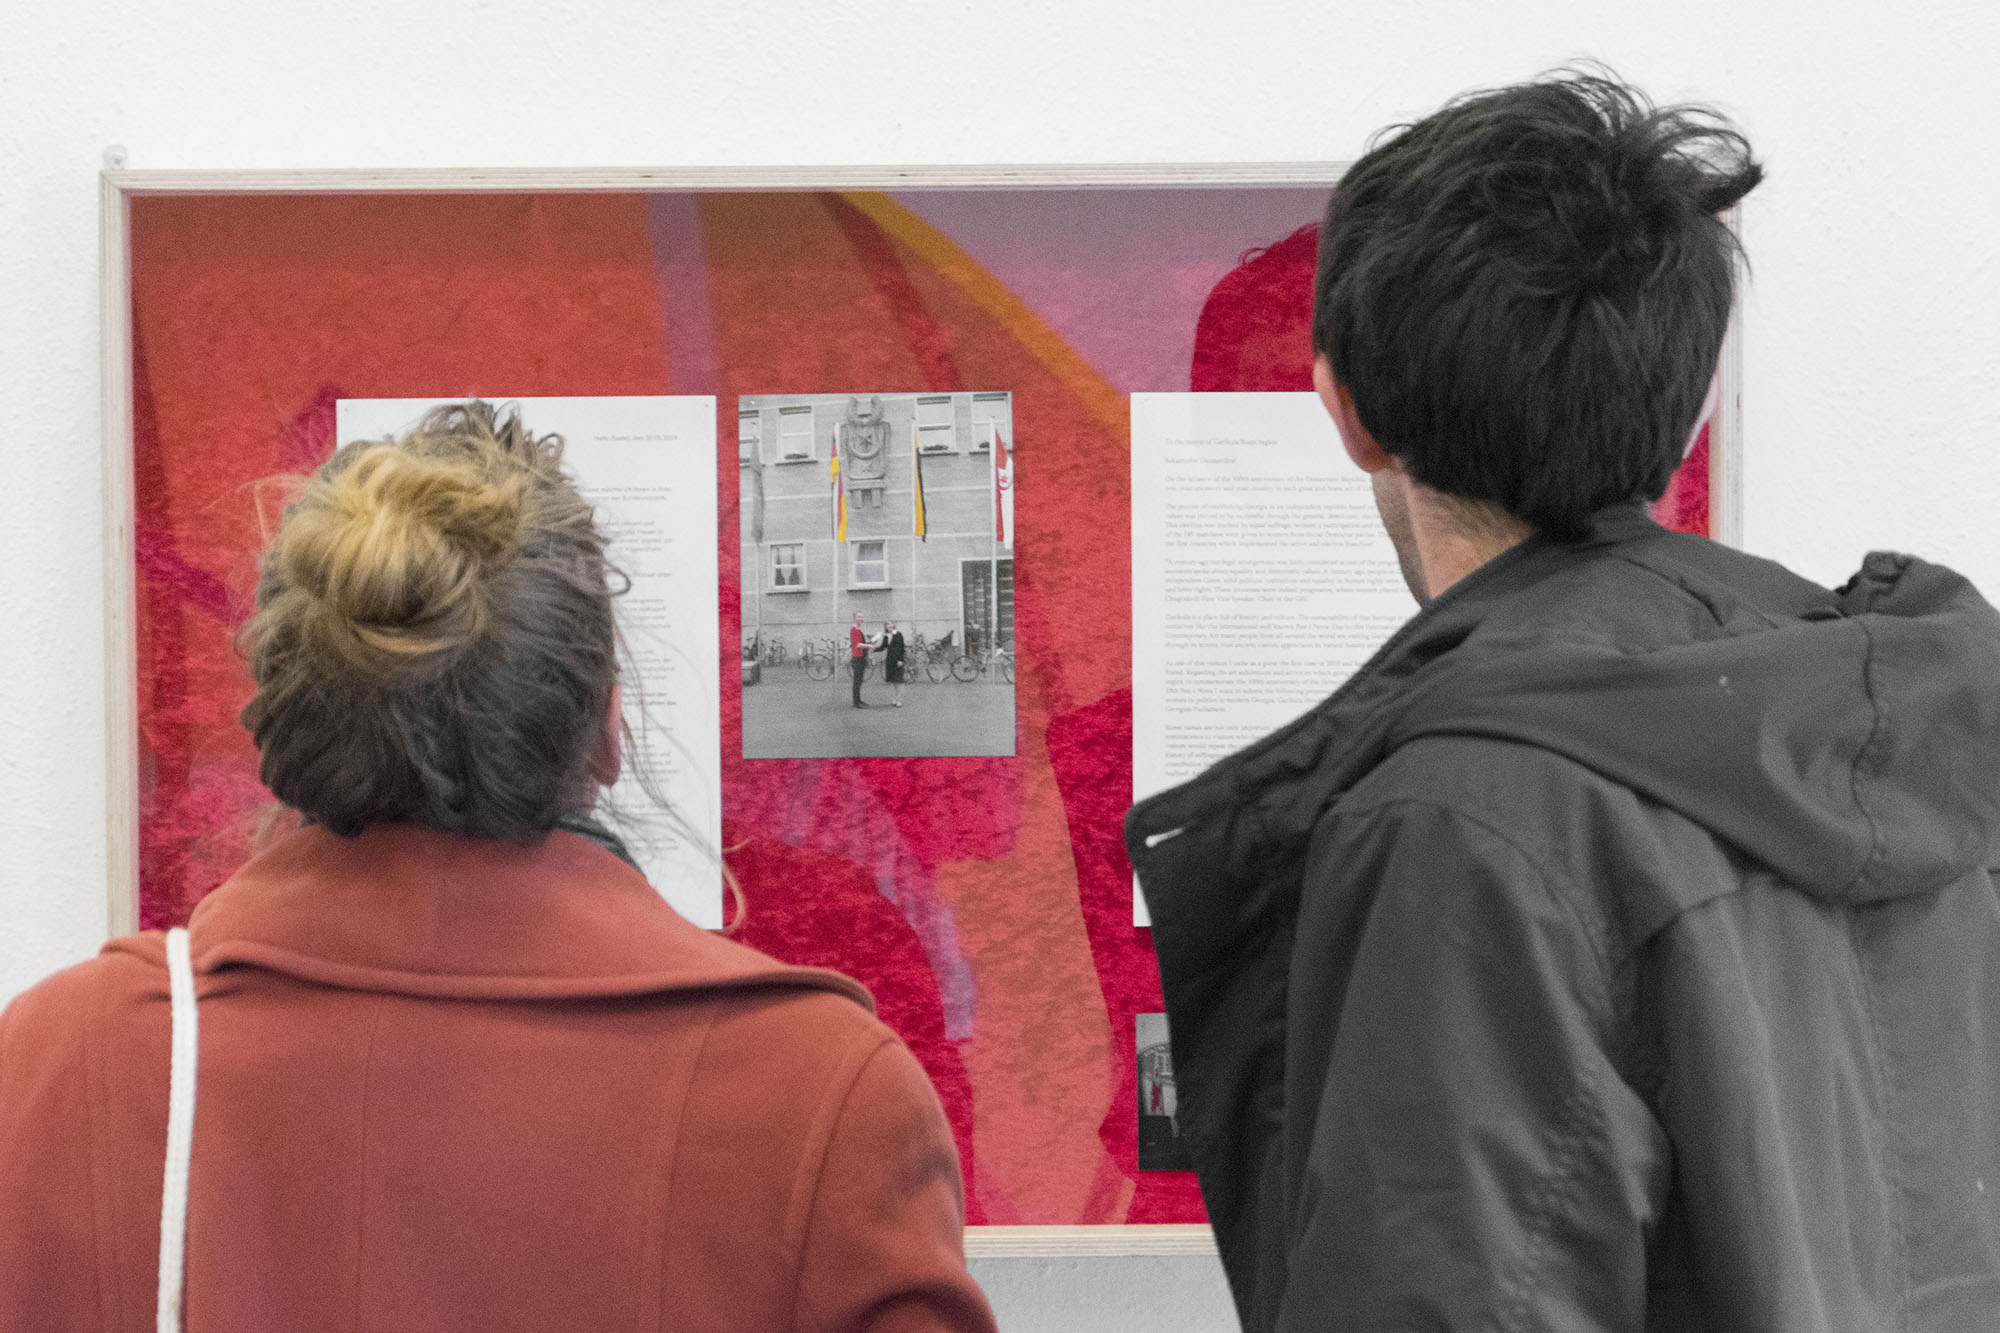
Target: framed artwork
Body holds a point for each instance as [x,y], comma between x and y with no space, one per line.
[921,384]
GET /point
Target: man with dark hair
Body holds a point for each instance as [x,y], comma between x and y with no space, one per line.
[1617,949]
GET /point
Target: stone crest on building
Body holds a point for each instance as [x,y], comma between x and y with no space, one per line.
[864,438]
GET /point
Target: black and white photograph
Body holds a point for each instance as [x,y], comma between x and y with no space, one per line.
[1160,1147]
[877,574]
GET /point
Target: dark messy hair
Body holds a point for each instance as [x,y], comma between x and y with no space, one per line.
[434,640]
[1526,291]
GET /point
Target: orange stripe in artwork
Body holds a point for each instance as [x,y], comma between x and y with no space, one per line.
[929,341]
[944,256]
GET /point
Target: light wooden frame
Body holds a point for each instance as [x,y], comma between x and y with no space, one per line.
[119,187]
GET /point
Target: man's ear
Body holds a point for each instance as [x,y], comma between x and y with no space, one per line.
[606,760]
[1361,446]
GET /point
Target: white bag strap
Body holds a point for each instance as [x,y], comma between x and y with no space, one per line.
[180,1133]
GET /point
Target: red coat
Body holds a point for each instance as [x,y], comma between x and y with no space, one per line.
[454,1084]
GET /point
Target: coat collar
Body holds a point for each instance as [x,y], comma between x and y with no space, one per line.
[412,911]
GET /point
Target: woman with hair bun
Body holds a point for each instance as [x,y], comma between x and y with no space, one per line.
[456,1064]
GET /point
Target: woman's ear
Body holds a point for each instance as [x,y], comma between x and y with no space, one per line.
[606,760]
[1361,446]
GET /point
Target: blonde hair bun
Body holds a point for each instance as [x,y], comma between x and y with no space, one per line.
[434,640]
[396,552]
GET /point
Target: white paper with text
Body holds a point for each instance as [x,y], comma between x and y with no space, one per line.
[647,466]
[1261,576]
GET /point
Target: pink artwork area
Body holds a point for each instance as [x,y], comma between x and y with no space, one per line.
[984,899]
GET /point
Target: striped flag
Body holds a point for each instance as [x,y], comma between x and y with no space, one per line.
[916,451]
[839,492]
[1003,490]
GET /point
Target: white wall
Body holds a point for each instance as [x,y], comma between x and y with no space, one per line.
[1873,325]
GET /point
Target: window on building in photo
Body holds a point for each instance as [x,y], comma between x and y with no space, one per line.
[788,565]
[795,434]
[988,410]
[749,434]
[935,432]
[871,564]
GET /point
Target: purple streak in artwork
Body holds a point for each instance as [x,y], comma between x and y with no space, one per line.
[680,270]
[309,440]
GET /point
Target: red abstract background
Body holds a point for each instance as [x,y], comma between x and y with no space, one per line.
[253,315]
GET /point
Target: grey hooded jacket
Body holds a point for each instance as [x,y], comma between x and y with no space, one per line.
[1616,950]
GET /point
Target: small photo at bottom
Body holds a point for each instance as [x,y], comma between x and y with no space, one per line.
[1160,1146]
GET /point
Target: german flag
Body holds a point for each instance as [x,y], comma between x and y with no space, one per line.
[839,492]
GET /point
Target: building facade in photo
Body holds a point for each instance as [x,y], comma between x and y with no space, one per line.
[944,566]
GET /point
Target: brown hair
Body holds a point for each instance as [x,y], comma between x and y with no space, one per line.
[434,641]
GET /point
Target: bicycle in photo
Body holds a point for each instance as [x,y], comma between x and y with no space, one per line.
[968,667]
[938,658]
[993,661]
[818,660]
[831,656]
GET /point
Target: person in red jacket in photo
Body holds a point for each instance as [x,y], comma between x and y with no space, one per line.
[459,1065]
[858,644]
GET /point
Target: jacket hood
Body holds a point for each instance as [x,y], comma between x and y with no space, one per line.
[412,911]
[1851,747]
[1848,740]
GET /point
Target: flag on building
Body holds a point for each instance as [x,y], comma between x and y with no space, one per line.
[756,476]
[922,528]
[1003,490]
[839,492]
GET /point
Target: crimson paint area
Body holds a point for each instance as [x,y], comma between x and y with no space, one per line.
[985,902]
